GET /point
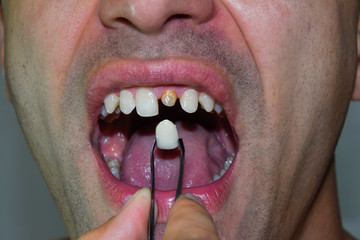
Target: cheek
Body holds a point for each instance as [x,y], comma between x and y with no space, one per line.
[41,40]
[47,32]
[286,40]
[298,51]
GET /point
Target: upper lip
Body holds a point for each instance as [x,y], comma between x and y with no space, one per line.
[119,74]
[116,75]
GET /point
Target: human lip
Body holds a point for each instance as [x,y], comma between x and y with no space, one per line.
[115,75]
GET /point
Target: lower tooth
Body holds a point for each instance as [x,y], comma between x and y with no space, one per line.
[216,177]
[113,165]
[226,165]
[115,172]
[229,159]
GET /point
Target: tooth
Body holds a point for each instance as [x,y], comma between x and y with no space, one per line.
[189,101]
[227,165]
[168,98]
[103,112]
[218,109]
[111,102]
[115,172]
[127,101]
[206,102]
[222,172]
[229,159]
[166,135]
[113,165]
[146,103]
[216,177]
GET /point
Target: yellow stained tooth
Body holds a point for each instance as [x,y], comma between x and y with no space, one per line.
[168,98]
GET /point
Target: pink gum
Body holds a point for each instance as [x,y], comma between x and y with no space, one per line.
[159,90]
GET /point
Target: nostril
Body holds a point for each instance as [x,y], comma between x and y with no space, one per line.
[123,21]
[179,16]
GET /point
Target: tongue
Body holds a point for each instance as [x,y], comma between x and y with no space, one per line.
[204,157]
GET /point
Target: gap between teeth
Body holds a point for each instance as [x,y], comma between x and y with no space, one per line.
[146,103]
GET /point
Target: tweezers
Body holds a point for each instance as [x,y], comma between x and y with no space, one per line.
[152,188]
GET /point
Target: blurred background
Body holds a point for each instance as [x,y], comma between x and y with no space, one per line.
[28,212]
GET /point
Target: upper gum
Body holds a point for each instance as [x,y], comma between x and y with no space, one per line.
[159,90]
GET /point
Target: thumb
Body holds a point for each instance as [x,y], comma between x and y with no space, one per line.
[189,220]
[130,223]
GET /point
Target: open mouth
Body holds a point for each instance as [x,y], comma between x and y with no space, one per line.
[124,132]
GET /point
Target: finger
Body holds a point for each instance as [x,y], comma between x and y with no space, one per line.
[131,223]
[189,220]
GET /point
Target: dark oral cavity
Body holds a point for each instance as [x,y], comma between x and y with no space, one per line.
[126,140]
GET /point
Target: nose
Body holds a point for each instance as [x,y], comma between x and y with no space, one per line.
[150,16]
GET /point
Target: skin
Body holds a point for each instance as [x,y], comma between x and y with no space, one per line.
[296,72]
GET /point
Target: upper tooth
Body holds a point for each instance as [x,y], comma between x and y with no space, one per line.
[189,101]
[218,109]
[206,102]
[127,101]
[111,102]
[146,103]
[168,98]
[166,135]
[103,112]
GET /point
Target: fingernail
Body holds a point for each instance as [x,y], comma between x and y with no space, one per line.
[142,192]
[192,197]
[156,211]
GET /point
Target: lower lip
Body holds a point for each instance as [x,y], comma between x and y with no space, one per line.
[212,195]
